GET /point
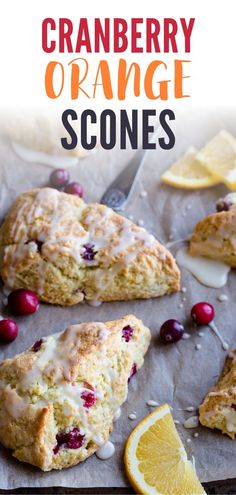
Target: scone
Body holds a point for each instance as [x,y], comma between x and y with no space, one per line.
[215,235]
[68,251]
[58,399]
[219,407]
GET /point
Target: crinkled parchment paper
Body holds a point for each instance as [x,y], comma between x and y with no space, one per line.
[178,374]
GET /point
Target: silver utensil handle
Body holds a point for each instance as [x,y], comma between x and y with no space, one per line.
[118,192]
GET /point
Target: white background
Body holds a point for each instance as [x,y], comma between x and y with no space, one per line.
[23,62]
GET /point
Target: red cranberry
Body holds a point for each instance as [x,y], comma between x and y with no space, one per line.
[69,440]
[223,204]
[202,313]
[74,188]
[233,406]
[8,331]
[59,178]
[133,371]
[23,302]
[127,333]
[37,345]
[171,331]
[88,398]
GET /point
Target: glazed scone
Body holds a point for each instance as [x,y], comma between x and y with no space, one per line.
[58,399]
[68,251]
[219,407]
[215,235]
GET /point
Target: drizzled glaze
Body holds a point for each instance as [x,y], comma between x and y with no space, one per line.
[53,378]
[33,156]
[209,272]
[68,231]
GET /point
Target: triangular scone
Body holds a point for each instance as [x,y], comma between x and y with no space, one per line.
[58,399]
[68,251]
[219,407]
[215,235]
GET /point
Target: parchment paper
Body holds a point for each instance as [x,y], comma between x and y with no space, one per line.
[178,374]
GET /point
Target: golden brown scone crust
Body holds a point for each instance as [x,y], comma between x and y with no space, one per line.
[215,237]
[42,393]
[43,248]
[219,407]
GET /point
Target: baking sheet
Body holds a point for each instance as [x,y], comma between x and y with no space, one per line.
[178,374]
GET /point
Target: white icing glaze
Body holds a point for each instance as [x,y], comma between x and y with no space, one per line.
[14,404]
[33,156]
[191,422]
[140,222]
[99,232]
[98,439]
[132,416]
[231,197]
[190,408]
[143,194]
[213,327]
[222,298]
[152,403]
[106,451]
[177,241]
[209,272]
[200,334]
[94,303]
[117,415]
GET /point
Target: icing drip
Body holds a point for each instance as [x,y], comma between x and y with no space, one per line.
[209,272]
[33,156]
[106,451]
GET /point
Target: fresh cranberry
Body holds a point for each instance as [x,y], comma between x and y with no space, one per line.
[127,333]
[74,188]
[59,178]
[133,371]
[8,331]
[23,302]
[233,406]
[223,204]
[88,398]
[69,440]
[37,345]
[171,331]
[88,253]
[202,313]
